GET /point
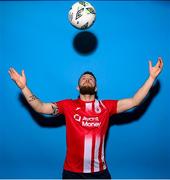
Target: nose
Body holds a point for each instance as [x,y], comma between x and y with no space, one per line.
[88,80]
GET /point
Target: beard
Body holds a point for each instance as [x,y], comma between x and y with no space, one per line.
[87,90]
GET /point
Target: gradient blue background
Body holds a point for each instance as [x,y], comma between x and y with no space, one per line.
[37,37]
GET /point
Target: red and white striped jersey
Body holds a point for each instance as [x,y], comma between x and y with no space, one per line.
[86,127]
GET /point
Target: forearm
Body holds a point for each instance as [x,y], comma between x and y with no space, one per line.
[33,101]
[143,91]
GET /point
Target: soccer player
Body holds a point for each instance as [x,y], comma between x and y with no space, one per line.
[87,121]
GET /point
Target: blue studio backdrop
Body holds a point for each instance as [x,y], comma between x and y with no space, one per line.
[37,37]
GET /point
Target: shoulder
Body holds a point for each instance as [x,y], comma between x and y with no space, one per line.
[64,101]
[109,101]
[111,105]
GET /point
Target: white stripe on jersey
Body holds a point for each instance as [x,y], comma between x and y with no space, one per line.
[97,107]
[102,157]
[88,107]
[87,154]
[96,154]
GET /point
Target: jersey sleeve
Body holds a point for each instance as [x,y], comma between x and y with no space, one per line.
[111,106]
[61,105]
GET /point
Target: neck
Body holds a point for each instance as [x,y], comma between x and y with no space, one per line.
[87,97]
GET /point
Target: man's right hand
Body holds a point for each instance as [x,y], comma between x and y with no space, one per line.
[20,80]
[34,102]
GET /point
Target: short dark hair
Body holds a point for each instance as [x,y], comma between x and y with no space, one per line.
[87,72]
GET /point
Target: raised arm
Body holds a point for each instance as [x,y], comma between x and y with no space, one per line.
[154,71]
[34,102]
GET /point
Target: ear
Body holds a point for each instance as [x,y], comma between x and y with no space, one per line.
[78,88]
[95,89]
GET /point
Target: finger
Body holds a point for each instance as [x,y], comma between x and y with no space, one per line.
[159,58]
[10,70]
[10,73]
[157,64]
[23,73]
[150,65]
[160,62]
[12,76]
[14,71]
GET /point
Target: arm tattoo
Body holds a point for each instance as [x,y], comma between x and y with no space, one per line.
[54,110]
[32,98]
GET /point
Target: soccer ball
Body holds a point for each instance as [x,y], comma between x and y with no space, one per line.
[82,15]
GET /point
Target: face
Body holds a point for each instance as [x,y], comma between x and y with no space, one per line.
[87,85]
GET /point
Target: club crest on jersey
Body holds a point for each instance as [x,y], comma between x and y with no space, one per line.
[98,110]
[77,117]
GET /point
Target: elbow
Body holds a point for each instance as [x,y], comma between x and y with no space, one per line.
[135,102]
[39,109]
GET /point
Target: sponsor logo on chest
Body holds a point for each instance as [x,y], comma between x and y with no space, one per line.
[87,121]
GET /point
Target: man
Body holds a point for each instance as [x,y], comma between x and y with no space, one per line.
[86,121]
